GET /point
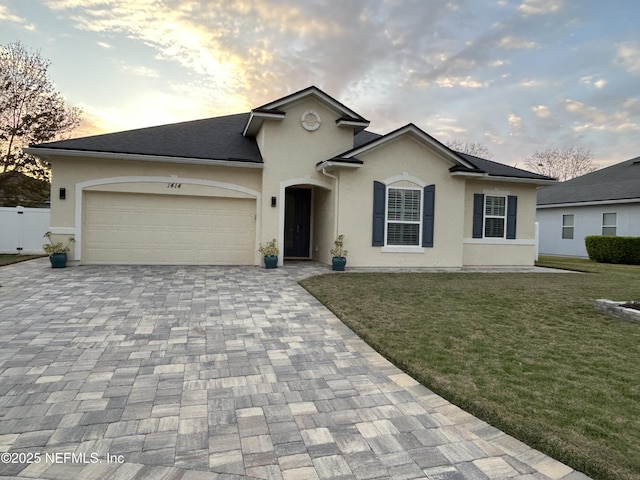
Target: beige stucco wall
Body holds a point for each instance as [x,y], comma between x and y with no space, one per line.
[69,172]
[412,164]
[520,251]
[290,154]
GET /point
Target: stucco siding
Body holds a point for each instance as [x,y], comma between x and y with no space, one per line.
[79,176]
[403,163]
[497,251]
[290,154]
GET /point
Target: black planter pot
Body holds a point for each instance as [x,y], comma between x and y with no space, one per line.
[58,260]
[338,263]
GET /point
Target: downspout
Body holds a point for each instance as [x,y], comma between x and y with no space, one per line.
[337,202]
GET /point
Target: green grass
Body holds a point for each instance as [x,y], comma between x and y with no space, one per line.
[8,259]
[526,352]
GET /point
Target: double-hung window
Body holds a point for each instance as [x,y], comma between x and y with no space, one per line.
[609,223]
[567,226]
[404,216]
[495,214]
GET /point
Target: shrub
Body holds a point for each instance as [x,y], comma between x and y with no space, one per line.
[609,249]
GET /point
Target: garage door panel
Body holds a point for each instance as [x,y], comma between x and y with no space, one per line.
[159,229]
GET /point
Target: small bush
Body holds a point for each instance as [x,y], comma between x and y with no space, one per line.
[608,249]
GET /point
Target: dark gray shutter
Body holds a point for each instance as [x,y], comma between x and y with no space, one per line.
[379,193]
[512,214]
[478,214]
[428,209]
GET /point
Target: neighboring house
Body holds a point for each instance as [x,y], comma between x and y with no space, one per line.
[604,202]
[301,169]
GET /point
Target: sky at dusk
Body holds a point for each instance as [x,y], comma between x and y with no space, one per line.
[516,76]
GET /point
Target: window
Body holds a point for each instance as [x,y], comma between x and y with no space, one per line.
[495,216]
[567,226]
[404,216]
[609,223]
[495,209]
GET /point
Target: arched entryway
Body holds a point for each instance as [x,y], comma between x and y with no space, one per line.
[306,218]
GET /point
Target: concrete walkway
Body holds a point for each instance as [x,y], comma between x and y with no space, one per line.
[217,373]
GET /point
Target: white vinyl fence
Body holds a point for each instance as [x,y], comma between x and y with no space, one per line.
[22,229]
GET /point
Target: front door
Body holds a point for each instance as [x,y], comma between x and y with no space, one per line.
[297,223]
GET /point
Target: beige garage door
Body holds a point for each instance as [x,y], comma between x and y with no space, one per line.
[164,229]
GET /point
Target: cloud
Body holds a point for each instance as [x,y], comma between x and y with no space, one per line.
[591,118]
[514,43]
[140,71]
[7,16]
[537,7]
[628,56]
[541,111]
[531,83]
[588,80]
[516,126]
[464,82]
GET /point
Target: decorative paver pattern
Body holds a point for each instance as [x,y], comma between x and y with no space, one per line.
[132,372]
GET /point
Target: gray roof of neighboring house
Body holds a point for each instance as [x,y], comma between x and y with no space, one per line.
[221,138]
[617,182]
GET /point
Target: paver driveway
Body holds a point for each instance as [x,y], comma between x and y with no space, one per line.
[217,372]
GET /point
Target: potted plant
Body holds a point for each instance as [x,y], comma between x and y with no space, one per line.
[339,254]
[270,252]
[57,251]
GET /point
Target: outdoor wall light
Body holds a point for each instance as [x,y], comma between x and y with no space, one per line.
[273,201]
[63,193]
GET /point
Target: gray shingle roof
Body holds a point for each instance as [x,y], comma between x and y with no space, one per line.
[500,169]
[217,138]
[617,182]
[221,138]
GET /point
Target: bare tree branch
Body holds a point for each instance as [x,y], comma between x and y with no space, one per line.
[476,149]
[561,163]
[31,110]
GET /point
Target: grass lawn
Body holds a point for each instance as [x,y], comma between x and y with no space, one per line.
[526,352]
[9,258]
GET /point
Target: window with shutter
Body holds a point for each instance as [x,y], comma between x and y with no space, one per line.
[404,215]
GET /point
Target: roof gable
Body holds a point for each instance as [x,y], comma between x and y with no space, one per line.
[412,131]
[462,164]
[275,110]
[617,182]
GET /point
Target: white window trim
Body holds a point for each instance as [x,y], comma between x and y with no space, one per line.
[403,248]
[504,217]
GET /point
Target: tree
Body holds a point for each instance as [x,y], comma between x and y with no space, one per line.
[31,110]
[561,163]
[476,149]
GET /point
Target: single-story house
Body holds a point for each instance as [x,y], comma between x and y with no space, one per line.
[301,169]
[604,202]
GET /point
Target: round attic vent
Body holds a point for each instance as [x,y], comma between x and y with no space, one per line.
[310,120]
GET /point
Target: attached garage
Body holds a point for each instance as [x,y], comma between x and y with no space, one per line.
[134,228]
